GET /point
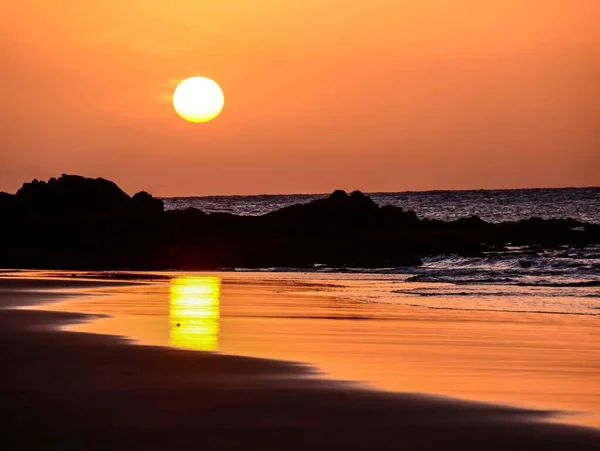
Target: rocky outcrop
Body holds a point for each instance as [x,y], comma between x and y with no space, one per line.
[72,194]
[74,222]
[144,203]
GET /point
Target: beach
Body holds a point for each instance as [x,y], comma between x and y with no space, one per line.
[254,226]
[75,390]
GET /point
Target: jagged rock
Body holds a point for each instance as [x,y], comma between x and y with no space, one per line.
[72,193]
[6,200]
[396,217]
[76,222]
[144,202]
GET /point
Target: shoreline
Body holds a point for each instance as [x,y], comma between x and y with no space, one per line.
[52,224]
[89,391]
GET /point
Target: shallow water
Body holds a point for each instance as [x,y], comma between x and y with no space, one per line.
[369,329]
[490,205]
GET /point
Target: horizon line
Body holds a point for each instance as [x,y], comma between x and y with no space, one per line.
[381,192]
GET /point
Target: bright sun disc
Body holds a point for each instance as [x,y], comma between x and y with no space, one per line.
[198,99]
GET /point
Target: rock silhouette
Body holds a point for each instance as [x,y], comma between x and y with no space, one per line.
[74,222]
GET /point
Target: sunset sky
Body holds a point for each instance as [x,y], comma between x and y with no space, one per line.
[376,95]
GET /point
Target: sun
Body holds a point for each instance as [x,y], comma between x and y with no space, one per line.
[198,99]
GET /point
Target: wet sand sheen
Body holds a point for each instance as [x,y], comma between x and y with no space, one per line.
[73,391]
[531,360]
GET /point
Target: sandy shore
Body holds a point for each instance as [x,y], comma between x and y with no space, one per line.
[531,360]
[83,391]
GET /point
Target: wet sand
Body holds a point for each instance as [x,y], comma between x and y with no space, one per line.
[84,391]
[531,360]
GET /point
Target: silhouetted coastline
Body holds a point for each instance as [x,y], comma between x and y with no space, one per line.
[74,222]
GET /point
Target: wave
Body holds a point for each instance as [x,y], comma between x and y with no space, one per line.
[468,309]
[478,279]
[459,279]
[518,279]
[318,269]
[587,283]
[477,293]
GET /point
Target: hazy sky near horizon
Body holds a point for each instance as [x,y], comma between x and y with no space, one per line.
[376,95]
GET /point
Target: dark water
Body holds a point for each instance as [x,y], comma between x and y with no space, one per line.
[558,281]
[491,205]
[561,273]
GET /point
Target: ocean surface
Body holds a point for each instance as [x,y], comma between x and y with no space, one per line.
[563,281]
[491,205]
[519,277]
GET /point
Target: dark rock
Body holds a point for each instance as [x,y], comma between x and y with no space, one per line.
[79,223]
[471,222]
[6,201]
[72,193]
[143,201]
[395,217]
[338,196]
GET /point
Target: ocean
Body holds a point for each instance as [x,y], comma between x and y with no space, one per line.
[569,275]
[491,205]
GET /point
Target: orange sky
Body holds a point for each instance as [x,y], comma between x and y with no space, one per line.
[377,95]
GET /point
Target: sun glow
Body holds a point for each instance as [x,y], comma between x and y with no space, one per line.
[194,312]
[198,99]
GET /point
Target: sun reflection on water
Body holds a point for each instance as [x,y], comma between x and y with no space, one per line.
[194,312]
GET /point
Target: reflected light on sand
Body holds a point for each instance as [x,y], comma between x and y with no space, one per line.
[194,312]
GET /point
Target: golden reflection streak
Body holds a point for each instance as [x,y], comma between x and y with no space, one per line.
[194,312]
